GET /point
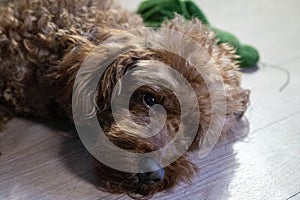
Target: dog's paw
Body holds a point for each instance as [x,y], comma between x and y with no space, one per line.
[5,116]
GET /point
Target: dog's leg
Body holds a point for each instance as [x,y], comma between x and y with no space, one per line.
[5,116]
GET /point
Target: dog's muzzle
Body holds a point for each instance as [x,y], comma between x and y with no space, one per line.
[151,172]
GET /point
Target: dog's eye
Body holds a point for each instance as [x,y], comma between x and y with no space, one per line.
[149,100]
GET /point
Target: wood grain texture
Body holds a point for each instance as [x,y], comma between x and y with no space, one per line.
[259,160]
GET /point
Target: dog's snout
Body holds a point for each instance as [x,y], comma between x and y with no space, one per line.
[150,178]
[152,172]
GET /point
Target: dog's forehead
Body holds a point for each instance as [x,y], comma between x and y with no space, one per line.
[160,77]
[153,72]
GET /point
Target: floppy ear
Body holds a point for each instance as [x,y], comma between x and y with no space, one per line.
[220,59]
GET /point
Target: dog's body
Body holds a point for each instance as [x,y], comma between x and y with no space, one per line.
[35,38]
[43,44]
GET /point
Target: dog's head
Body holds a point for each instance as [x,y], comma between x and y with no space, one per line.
[155,94]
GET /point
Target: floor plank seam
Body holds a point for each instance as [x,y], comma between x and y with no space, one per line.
[294,195]
[275,122]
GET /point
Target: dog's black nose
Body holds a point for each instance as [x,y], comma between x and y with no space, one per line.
[151,172]
[150,178]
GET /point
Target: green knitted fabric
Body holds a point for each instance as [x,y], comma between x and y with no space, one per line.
[249,56]
[154,12]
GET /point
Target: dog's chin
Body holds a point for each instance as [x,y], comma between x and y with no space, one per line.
[117,182]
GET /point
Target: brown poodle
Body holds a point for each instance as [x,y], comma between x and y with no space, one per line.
[52,51]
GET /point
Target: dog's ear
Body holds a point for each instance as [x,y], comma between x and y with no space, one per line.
[218,64]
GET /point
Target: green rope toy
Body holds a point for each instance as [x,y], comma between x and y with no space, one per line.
[154,13]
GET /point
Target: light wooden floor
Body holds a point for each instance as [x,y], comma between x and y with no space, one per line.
[261,160]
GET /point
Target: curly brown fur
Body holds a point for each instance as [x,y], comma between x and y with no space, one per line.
[43,43]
